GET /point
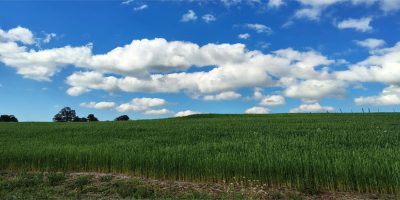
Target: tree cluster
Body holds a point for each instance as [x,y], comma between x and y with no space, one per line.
[68,115]
[122,118]
[8,118]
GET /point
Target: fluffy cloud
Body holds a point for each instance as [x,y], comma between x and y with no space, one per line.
[258,94]
[313,90]
[41,65]
[208,18]
[141,104]
[98,105]
[200,82]
[157,112]
[18,34]
[142,57]
[319,3]
[76,91]
[312,9]
[303,64]
[229,3]
[365,2]
[382,66]
[259,28]
[230,95]
[389,5]
[362,24]
[189,16]
[316,107]
[385,5]
[244,36]
[275,3]
[48,37]
[235,68]
[389,96]
[273,100]
[257,110]
[269,100]
[371,43]
[141,67]
[37,64]
[312,13]
[186,113]
[82,80]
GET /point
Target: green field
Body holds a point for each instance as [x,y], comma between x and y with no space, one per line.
[334,152]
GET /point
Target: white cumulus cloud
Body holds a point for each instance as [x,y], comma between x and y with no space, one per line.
[257,110]
[389,96]
[144,105]
[41,65]
[186,113]
[98,105]
[312,90]
[244,36]
[273,100]
[362,24]
[315,107]
[275,3]
[81,80]
[381,66]
[141,104]
[140,66]
[229,95]
[371,43]
[312,9]
[157,112]
[389,5]
[235,68]
[208,18]
[189,16]
[48,37]
[259,28]
[18,34]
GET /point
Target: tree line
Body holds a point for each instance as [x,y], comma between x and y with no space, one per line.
[8,118]
[66,115]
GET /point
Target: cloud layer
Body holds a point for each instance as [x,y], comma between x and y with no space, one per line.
[214,71]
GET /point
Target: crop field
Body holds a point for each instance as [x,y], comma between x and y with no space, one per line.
[334,152]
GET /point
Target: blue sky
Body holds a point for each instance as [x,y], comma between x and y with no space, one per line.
[154,59]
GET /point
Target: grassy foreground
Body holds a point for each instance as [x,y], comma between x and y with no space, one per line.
[345,152]
[102,186]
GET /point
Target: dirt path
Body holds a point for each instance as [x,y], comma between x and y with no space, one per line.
[85,185]
[247,189]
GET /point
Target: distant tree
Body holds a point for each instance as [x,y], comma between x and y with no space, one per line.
[8,118]
[79,119]
[122,118]
[13,118]
[65,115]
[92,118]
